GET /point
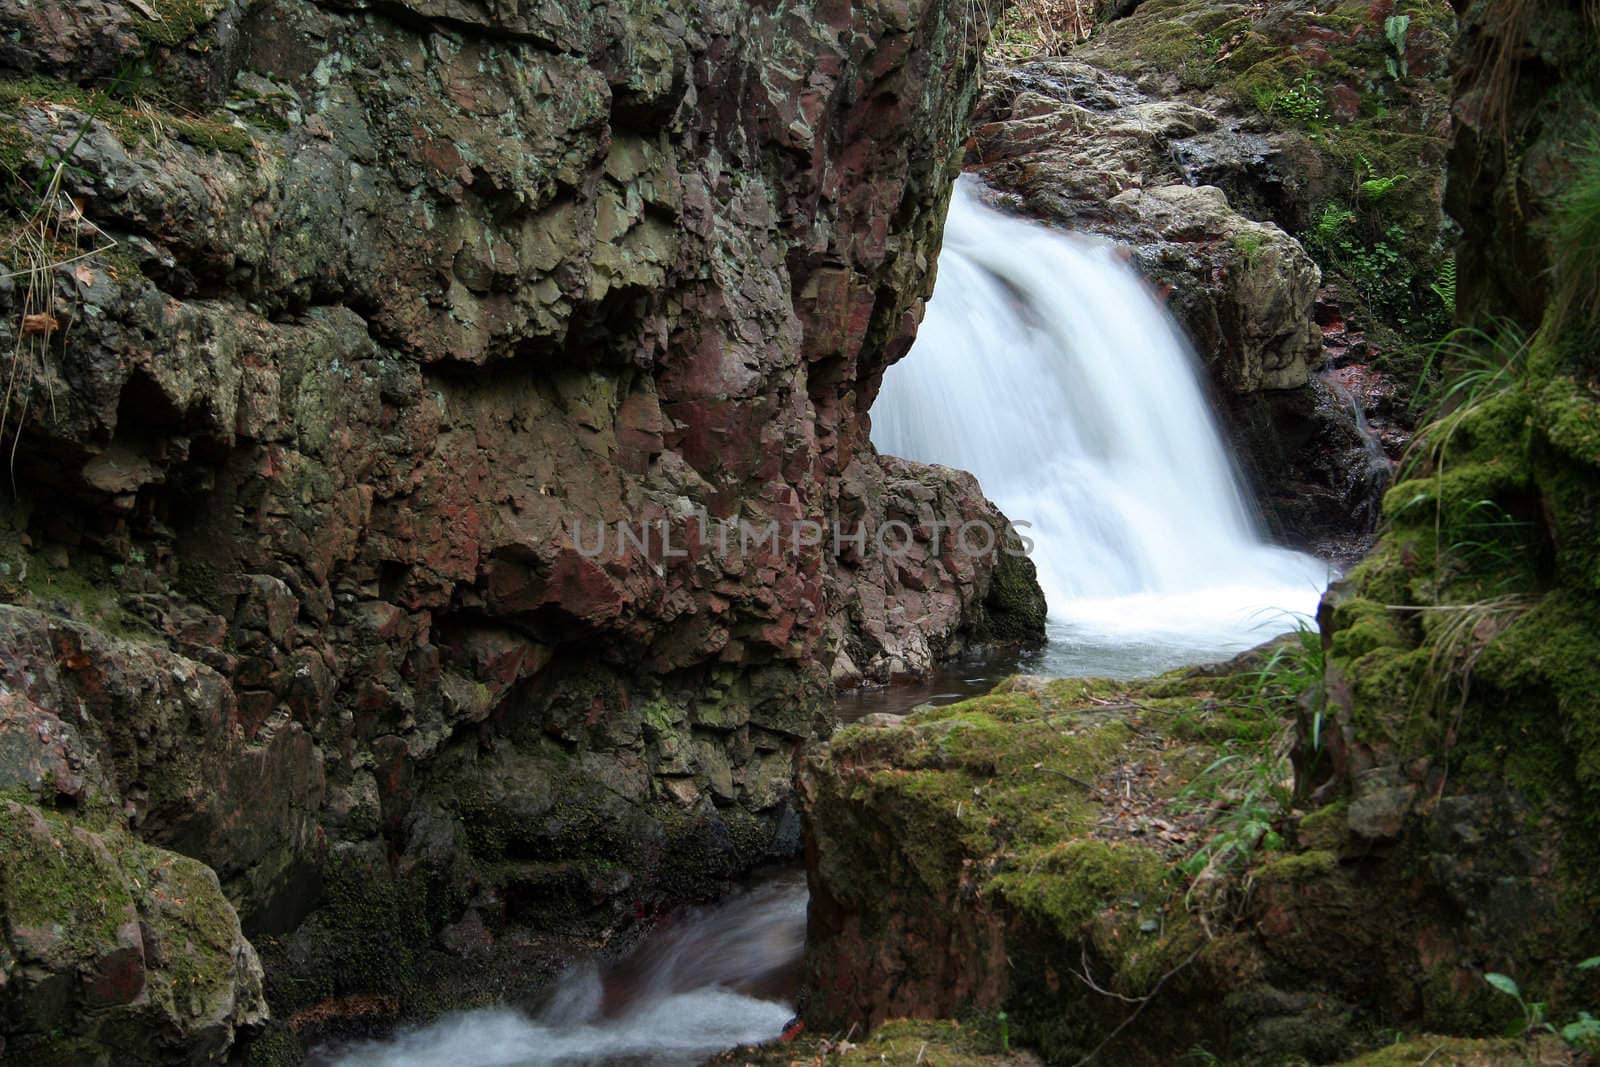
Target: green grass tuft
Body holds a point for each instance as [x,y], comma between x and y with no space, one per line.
[1575,241]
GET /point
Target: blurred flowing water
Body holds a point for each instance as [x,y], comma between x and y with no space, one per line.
[706,980]
[1047,367]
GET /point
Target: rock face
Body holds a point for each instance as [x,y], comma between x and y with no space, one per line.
[899,613]
[373,318]
[1084,147]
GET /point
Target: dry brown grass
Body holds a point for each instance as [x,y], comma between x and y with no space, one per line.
[1031,28]
[54,235]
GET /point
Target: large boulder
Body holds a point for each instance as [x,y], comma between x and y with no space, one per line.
[112,951]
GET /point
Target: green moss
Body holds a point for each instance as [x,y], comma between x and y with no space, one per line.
[1066,885]
[1385,684]
[1326,828]
[1554,651]
[1396,566]
[197,927]
[1014,609]
[54,875]
[364,938]
[1362,625]
[1569,418]
[663,717]
[1077,692]
[85,591]
[178,20]
[132,126]
[1297,868]
[1454,1050]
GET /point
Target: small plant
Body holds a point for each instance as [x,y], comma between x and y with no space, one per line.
[1005,1031]
[1444,285]
[1249,243]
[1330,224]
[1582,1034]
[1250,792]
[1532,1010]
[1302,102]
[1375,187]
[1394,29]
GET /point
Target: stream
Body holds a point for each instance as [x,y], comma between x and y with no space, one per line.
[704,980]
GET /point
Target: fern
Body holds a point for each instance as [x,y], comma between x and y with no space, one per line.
[1444,285]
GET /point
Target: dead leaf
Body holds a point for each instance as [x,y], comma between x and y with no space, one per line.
[84,275]
[40,323]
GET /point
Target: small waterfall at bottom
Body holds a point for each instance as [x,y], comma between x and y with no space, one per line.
[707,980]
[1048,368]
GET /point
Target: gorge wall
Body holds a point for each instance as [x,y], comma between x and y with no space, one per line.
[330,320]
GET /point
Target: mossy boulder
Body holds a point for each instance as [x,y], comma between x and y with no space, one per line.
[114,951]
[1041,852]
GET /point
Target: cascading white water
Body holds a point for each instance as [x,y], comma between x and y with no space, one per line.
[1048,368]
[711,979]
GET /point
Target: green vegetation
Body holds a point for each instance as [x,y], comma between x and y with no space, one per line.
[1575,240]
[1302,102]
[1040,27]
[175,21]
[125,108]
[1394,31]
[1582,1033]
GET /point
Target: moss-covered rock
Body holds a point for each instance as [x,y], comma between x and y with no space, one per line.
[113,951]
[1045,851]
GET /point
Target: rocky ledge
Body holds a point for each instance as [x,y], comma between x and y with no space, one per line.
[1099,872]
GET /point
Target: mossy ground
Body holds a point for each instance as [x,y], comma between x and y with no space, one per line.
[1084,811]
[176,21]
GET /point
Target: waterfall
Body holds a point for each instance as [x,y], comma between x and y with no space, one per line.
[1049,369]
